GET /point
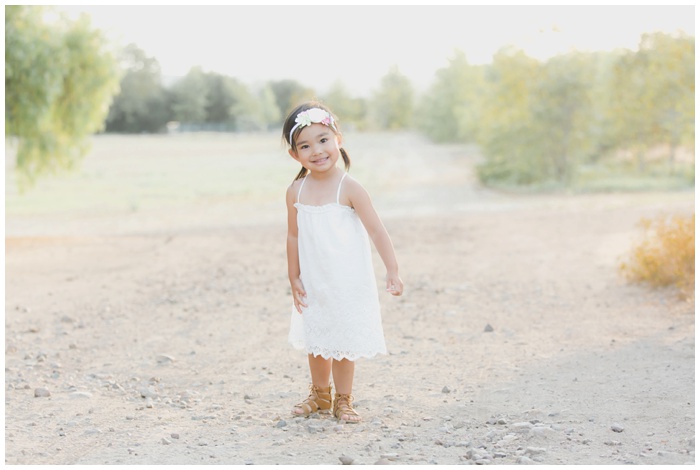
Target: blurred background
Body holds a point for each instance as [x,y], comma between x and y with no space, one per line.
[144,111]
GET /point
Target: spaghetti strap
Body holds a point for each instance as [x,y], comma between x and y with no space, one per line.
[337,197]
[303,180]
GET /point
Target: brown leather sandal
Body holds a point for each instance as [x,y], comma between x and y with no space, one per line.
[318,401]
[343,406]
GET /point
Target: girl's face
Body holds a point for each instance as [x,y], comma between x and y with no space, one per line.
[317,148]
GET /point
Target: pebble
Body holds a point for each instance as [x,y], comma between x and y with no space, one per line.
[488,328]
[345,460]
[164,359]
[382,462]
[81,395]
[165,441]
[617,428]
[446,389]
[482,462]
[526,461]
[41,392]
[281,423]
[147,392]
[535,450]
[175,435]
[522,427]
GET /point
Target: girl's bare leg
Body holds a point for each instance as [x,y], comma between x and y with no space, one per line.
[343,374]
[320,370]
[320,374]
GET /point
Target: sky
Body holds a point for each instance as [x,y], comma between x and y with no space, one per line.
[357,45]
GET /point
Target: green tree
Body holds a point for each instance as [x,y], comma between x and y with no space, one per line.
[392,105]
[506,131]
[449,111]
[220,97]
[141,105]
[59,81]
[189,97]
[351,111]
[289,94]
[255,110]
[562,116]
[654,99]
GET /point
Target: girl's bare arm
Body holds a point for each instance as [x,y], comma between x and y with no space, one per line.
[293,252]
[361,202]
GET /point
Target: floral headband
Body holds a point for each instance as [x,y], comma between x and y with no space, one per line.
[312,116]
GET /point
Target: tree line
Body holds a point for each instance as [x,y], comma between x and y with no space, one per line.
[538,122]
[533,121]
[211,101]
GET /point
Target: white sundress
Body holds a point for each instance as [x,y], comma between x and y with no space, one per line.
[343,317]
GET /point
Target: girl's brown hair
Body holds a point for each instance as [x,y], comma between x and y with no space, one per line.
[289,124]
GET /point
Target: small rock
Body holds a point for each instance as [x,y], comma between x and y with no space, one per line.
[488,328]
[535,450]
[175,435]
[41,392]
[482,462]
[617,428]
[165,442]
[391,456]
[526,461]
[81,395]
[147,392]
[149,402]
[164,359]
[446,389]
[345,460]
[281,423]
[525,426]
[382,462]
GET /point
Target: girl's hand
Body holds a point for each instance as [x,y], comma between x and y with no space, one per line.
[299,294]
[394,284]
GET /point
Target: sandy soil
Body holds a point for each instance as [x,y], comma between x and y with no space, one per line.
[516,342]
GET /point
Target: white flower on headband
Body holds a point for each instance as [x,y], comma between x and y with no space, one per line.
[312,116]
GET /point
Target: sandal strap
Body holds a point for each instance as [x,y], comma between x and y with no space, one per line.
[319,399]
[343,405]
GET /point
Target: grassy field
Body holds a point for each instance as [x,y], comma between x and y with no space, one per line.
[189,181]
[224,176]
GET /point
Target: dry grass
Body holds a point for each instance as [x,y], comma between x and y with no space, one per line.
[666,255]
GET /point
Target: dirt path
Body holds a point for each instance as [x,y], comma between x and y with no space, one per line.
[169,346]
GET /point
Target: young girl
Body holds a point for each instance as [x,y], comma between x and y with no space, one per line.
[336,316]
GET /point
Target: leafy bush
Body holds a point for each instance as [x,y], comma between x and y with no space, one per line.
[666,255]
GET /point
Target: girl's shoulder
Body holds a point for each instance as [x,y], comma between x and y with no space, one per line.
[353,192]
[293,188]
[296,184]
[352,185]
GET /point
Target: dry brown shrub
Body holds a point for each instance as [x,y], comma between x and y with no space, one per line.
[666,255]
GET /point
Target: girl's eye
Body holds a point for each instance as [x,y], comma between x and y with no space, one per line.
[324,140]
[304,147]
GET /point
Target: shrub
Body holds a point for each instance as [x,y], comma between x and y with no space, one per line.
[666,255]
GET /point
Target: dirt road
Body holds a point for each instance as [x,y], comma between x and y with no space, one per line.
[516,341]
